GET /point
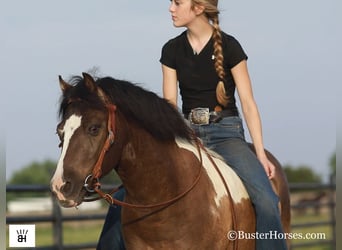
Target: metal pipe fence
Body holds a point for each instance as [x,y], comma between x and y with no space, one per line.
[329,204]
[57,218]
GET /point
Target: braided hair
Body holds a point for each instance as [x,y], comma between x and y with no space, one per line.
[212,13]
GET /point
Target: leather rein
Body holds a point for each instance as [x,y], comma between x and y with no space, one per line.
[97,171]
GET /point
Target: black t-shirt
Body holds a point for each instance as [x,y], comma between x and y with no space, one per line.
[196,73]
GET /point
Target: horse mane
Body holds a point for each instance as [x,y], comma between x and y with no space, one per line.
[140,106]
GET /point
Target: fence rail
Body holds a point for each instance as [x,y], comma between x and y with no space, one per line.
[57,217]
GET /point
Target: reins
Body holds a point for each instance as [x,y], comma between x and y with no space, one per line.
[109,198]
[234,219]
[97,171]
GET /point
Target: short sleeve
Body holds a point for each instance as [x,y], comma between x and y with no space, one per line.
[234,52]
[168,54]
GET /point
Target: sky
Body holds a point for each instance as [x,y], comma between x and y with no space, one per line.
[293,49]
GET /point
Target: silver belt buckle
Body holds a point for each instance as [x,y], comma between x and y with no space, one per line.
[199,116]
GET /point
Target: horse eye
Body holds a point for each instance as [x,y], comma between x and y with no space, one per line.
[94,130]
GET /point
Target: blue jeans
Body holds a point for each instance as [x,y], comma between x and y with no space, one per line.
[227,139]
[111,235]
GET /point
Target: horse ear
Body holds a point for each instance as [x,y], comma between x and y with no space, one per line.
[91,85]
[63,84]
[89,82]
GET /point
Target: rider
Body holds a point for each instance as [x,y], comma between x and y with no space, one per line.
[209,65]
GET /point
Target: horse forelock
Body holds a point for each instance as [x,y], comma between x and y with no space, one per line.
[79,93]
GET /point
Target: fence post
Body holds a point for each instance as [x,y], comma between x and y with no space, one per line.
[332,207]
[57,225]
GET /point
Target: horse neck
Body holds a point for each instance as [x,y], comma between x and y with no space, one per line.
[153,170]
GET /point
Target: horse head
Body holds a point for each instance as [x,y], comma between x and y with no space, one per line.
[85,133]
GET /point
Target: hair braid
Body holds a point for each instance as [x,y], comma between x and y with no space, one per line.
[218,53]
[212,13]
[218,49]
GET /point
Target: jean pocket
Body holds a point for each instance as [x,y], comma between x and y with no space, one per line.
[230,122]
[231,127]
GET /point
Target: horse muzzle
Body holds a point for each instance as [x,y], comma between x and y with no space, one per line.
[66,195]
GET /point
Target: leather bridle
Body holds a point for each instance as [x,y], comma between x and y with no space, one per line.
[94,177]
[97,170]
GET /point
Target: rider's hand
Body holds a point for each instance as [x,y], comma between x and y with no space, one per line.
[268,166]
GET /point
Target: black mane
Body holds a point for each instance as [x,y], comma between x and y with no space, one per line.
[149,111]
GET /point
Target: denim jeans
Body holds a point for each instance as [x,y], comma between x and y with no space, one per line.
[111,235]
[227,139]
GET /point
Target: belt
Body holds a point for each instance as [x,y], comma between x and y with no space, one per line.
[202,116]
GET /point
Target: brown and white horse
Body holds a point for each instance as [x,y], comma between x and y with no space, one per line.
[179,195]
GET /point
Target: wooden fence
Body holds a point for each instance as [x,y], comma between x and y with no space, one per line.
[57,217]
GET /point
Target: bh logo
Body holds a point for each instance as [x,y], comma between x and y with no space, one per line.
[22,236]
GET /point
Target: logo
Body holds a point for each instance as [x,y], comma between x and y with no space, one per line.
[22,235]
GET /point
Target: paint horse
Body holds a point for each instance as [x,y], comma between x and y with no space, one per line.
[179,195]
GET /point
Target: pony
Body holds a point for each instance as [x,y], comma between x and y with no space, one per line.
[179,194]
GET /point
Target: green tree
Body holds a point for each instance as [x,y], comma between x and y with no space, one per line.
[35,173]
[301,174]
[40,173]
[111,178]
[332,164]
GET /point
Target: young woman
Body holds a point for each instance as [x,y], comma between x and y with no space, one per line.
[209,65]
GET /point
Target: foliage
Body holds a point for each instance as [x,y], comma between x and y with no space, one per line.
[301,174]
[38,173]
[332,164]
[111,179]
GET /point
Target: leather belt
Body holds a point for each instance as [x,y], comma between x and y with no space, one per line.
[202,116]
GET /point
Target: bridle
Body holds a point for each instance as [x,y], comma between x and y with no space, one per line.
[94,177]
[97,170]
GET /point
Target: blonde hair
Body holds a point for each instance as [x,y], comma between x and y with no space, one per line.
[212,13]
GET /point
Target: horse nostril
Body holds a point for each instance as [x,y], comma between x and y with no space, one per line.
[66,188]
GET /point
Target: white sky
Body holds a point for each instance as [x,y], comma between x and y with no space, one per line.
[293,48]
